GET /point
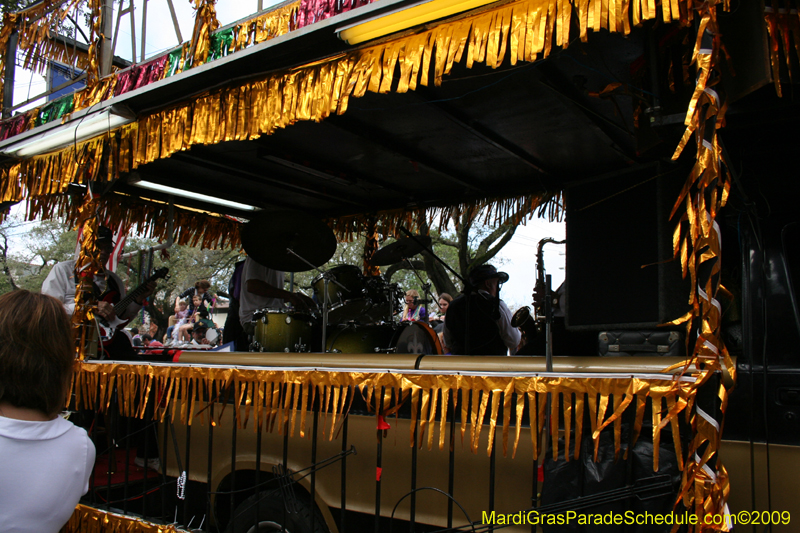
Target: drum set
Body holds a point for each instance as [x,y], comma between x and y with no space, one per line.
[354,313]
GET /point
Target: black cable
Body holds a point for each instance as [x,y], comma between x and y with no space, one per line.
[440,491]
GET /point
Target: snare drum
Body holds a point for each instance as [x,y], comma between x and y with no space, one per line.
[347,302]
[280,330]
[408,337]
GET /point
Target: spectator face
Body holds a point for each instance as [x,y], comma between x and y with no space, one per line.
[182,305]
[443,304]
[200,336]
[196,300]
[410,301]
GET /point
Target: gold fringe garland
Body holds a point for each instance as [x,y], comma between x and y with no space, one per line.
[264,27]
[493,210]
[276,398]
[87,519]
[697,242]
[192,227]
[246,111]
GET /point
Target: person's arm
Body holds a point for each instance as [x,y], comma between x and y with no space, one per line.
[262,288]
[60,286]
[510,335]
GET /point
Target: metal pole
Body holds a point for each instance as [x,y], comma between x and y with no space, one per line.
[11,67]
[378,469]
[107,25]
[144,28]
[342,528]
[548,306]
[325,314]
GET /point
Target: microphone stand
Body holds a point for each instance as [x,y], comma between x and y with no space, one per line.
[326,278]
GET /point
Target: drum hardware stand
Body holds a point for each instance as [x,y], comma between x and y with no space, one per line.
[326,278]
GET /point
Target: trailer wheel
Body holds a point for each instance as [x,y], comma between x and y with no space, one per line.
[271,515]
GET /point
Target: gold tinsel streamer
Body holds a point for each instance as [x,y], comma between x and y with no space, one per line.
[86,266]
[371,246]
[87,519]
[783,27]
[285,392]
[697,242]
[205,22]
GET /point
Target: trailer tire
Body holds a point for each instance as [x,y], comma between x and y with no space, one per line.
[271,515]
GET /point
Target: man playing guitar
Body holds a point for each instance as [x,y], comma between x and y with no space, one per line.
[61,283]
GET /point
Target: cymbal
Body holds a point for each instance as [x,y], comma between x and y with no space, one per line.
[399,250]
[267,236]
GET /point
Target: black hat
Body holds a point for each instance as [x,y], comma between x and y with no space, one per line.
[105,234]
[482,272]
[199,326]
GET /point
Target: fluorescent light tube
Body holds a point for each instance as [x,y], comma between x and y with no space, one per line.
[193,195]
[406,18]
[75,131]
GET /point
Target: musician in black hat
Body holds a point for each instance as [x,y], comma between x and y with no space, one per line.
[478,322]
[61,282]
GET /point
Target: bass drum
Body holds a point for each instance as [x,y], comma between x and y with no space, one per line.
[417,337]
[354,338]
[284,331]
[407,337]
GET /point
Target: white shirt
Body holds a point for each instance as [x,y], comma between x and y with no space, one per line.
[510,335]
[60,284]
[44,471]
[249,302]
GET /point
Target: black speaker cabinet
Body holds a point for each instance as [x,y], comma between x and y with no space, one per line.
[619,246]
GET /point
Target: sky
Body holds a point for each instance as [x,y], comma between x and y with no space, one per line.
[518,257]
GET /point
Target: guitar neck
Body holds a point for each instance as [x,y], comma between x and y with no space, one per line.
[123,304]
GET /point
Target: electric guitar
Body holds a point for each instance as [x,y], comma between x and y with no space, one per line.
[108,328]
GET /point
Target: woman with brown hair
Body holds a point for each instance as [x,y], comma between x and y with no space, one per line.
[47,460]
